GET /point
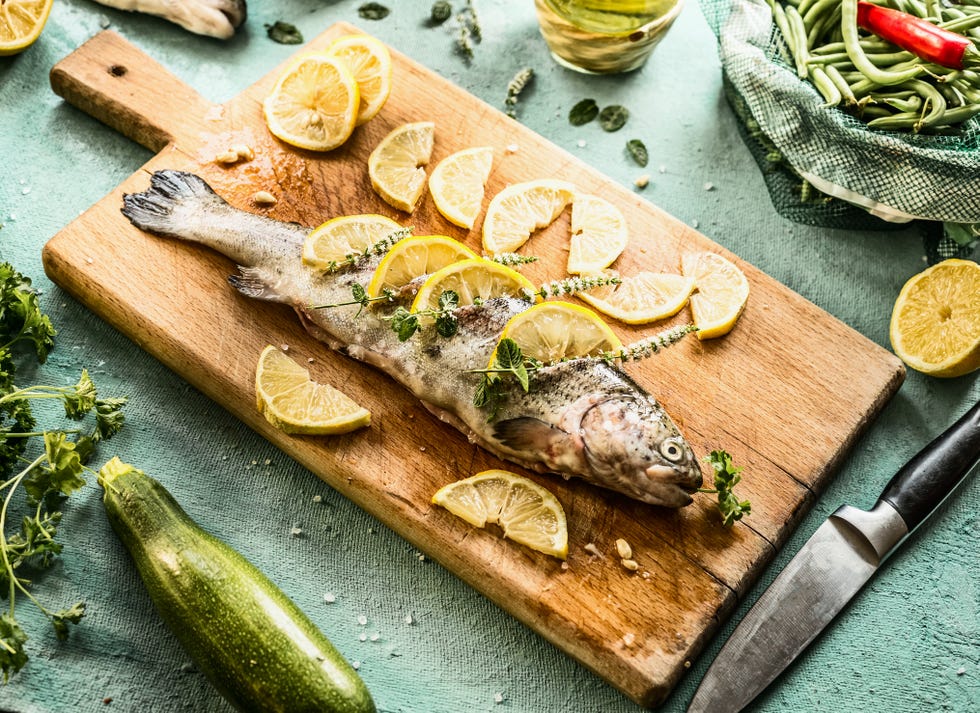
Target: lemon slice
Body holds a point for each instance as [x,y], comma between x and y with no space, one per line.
[642,298]
[291,401]
[458,183]
[370,64]
[551,331]
[935,324]
[332,242]
[599,235]
[21,22]
[395,165]
[314,104]
[413,257]
[721,293]
[471,279]
[527,513]
[520,209]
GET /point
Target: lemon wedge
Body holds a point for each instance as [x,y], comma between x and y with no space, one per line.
[555,330]
[527,513]
[413,257]
[935,324]
[314,104]
[395,165]
[458,184]
[291,401]
[332,242]
[520,209]
[370,64]
[21,22]
[599,235]
[642,298]
[721,292]
[471,279]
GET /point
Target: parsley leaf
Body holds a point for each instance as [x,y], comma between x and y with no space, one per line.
[12,640]
[726,477]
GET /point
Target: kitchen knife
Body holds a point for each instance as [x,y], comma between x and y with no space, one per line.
[830,569]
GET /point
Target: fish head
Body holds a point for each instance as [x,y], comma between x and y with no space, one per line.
[630,444]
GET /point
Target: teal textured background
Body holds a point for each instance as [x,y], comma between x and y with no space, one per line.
[908,643]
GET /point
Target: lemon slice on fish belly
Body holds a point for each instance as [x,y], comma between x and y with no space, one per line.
[527,513]
[413,257]
[551,331]
[345,235]
[472,279]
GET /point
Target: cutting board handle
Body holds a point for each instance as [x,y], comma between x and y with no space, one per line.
[116,83]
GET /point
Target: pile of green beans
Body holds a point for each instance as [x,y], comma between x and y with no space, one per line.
[881,84]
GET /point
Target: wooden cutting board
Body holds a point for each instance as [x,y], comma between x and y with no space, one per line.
[787,392]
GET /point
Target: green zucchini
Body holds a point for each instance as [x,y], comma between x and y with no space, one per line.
[247,637]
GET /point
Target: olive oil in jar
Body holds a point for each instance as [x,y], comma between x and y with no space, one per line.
[604,36]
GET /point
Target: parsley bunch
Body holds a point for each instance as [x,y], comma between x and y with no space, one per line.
[727,476]
[49,477]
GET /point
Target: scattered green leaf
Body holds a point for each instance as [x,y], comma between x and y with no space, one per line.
[441,11]
[373,11]
[613,117]
[284,33]
[638,151]
[583,112]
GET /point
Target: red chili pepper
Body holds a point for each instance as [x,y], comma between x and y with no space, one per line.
[920,37]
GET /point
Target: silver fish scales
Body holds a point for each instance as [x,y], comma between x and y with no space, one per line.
[581,418]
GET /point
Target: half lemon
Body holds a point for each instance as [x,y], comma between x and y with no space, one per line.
[346,235]
[395,165]
[721,292]
[520,209]
[370,64]
[413,257]
[314,104]
[292,402]
[642,298]
[458,184]
[555,330]
[935,324]
[21,22]
[471,280]
[527,513]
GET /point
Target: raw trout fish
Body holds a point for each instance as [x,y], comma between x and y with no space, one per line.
[212,18]
[583,418]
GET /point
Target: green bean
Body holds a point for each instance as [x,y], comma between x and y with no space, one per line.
[822,24]
[830,91]
[797,45]
[813,11]
[842,86]
[852,41]
[800,52]
[911,104]
[962,24]
[896,122]
[804,6]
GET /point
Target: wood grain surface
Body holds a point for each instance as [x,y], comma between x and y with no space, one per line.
[787,392]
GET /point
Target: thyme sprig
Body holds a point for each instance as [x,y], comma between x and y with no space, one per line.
[513,259]
[571,285]
[378,248]
[361,297]
[514,89]
[727,476]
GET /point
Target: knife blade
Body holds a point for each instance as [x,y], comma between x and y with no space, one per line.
[840,557]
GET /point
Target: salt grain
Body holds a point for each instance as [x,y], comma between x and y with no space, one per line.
[592,549]
[513,148]
[498,698]
[581,143]
[629,638]
[355,665]
[329,598]
[317,498]
[408,619]
[362,637]
[362,620]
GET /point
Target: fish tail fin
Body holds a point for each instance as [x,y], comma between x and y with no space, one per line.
[156,209]
[253,282]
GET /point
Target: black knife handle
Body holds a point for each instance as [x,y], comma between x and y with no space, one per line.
[925,481]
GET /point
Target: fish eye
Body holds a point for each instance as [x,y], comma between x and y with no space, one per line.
[672,450]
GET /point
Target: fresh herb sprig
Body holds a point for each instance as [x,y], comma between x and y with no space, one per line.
[513,259]
[571,285]
[378,248]
[52,475]
[511,364]
[514,89]
[726,477]
[405,323]
[360,297]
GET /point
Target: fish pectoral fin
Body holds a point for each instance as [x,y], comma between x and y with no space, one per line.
[252,282]
[558,448]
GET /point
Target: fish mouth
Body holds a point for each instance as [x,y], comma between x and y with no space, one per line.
[675,485]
